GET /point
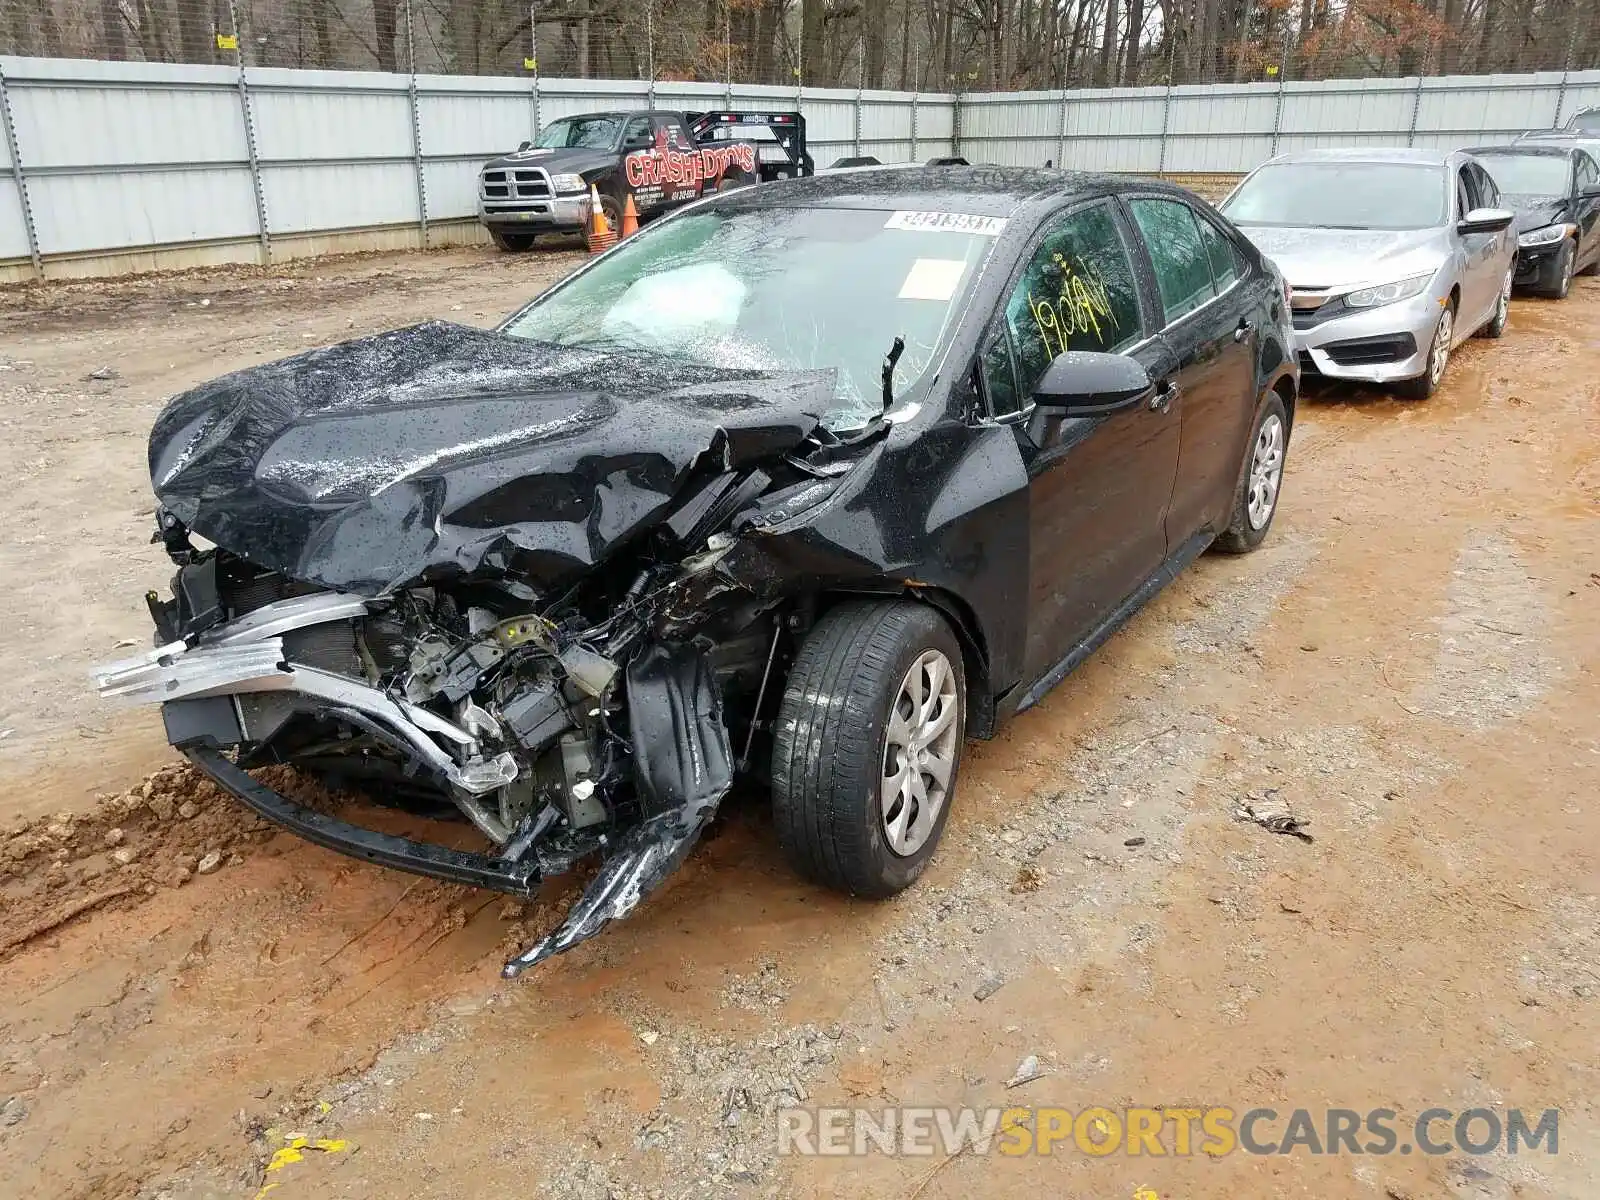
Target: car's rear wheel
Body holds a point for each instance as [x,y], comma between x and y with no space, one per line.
[1557,279]
[1427,383]
[1502,308]
[868,745]
[1255,498]
[516,241]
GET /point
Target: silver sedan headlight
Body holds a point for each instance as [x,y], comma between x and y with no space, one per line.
[567,183]
[1548,236]
[1388,293]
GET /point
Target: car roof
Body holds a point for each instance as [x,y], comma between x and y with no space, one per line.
[1527,149]
[1370,154]
[989,191]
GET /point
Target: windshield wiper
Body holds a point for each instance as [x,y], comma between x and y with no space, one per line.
[889,362]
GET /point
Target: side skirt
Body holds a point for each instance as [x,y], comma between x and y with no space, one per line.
[1117,617]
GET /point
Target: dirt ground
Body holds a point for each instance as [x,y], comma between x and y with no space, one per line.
[1409,662]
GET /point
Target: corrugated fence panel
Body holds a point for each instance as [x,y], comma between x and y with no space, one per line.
[1020,129]
[13,235]
[464,122]
[333,159]
[113,211]
[127,154]
[148,118]
[1114,130]
[122,156]
[1346,113]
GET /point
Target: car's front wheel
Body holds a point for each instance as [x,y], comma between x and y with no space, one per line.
[868,745]
[1557,279]
[1427,383]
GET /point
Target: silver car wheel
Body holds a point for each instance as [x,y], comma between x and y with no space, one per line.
[1502,310]
[1567,272]
[919,752]
[1439,355]
[1266,472]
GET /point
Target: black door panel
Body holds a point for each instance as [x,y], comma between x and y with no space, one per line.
[1098,492]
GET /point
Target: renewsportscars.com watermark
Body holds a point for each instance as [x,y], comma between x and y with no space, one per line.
[1158,1132]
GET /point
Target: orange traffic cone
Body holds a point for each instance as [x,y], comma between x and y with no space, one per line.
[630,217]
[601,235]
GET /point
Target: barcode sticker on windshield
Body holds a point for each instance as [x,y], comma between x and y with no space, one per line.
[947,222]
[933,279]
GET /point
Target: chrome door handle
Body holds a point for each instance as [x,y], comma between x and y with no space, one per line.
[1166,393]
[1243,331]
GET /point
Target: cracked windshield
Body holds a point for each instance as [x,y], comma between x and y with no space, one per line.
[778,289]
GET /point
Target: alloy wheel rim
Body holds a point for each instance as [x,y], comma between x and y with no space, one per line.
[1441,347]
[1505,300]
[919,753]
[1266,472]
[1567,273]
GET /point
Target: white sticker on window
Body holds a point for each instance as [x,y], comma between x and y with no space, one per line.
[947,222]
[933,279]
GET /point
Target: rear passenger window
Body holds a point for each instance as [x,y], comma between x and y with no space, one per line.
[1183,268]
[1077,293]
[1225,264]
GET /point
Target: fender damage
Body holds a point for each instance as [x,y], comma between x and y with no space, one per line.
[545,585]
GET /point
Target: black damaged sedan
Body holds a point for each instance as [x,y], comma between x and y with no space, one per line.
[807,483]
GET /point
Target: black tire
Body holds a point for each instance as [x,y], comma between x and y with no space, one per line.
[1555,283]
[737,179]
[611,206]
[1424,385]
[516,241]
[1502,312]
[1241,536]
[828,750]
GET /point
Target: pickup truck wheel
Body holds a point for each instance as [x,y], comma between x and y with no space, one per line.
[516,241]
[867,746]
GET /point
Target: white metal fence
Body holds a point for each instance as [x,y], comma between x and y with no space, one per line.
[110,167]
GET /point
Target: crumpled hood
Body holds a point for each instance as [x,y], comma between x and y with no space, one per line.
[1343,258]
[441,450]
[1534,212]
[577,159]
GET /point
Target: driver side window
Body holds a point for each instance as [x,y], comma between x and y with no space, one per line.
[1076,293]
[637,127]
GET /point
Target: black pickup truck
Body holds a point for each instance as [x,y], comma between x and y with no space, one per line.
[663,159]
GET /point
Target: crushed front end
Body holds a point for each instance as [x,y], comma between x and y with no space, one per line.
[570,671]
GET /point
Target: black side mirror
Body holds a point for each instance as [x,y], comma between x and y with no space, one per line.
[1084,383]
[524,146]
[1485,220]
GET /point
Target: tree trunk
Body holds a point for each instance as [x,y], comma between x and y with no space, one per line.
[383,27]
[812,46]
[319,26]
[874,42]
[196,39]
[1108,42]
[1130,58]
[116,35]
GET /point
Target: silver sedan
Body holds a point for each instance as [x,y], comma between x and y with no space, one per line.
[1394,257]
